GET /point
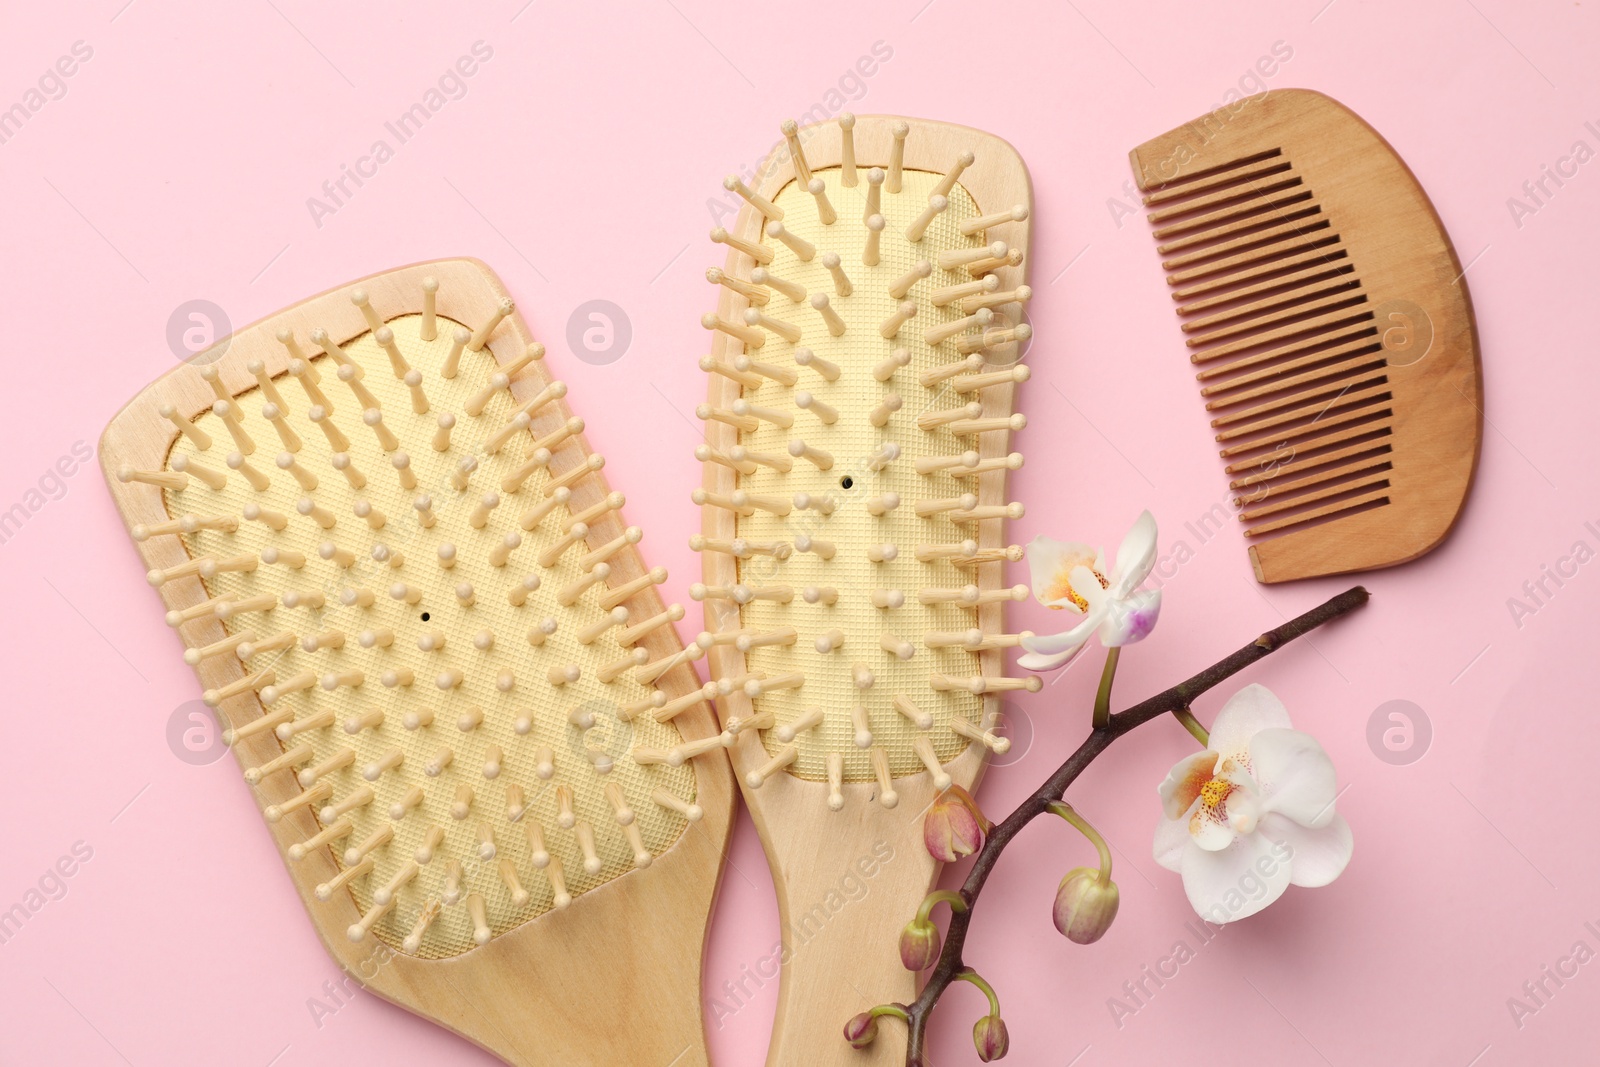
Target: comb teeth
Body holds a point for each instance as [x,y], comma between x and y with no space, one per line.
[1285,339]
[454,689]
[1327,318]
[836,476]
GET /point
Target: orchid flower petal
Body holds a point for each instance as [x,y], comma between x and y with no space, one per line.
[1318,856]
[1050,565]
[1184,782]
[1136,556]
[1130,620]
[1234,882]
[1296,776]
[1251,709]
[1172,841]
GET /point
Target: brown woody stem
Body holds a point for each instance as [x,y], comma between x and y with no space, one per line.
[1178,699]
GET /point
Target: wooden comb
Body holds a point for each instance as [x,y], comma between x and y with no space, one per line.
[1327,313]
[412,599]
[863,365]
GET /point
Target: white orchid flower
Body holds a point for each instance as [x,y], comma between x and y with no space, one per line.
[1072,577]
[1253,814]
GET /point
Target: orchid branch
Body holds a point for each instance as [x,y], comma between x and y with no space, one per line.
[949,966]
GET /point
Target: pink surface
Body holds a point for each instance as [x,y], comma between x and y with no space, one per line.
[176,164]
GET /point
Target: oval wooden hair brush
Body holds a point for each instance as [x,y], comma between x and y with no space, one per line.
[411,596]
[1328,320]
[863,364]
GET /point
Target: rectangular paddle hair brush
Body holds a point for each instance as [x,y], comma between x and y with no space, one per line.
[1329,323]
[410,595]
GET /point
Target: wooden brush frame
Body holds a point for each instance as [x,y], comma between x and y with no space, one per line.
[631,995]
[808,846]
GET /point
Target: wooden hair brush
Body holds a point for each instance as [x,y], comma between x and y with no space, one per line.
[412,599]
[863,365]
[1327,313]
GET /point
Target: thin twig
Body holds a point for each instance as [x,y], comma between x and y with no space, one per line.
[950,966]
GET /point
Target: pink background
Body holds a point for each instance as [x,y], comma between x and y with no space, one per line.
[177,166]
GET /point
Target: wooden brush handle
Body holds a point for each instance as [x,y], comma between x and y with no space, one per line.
[846,885]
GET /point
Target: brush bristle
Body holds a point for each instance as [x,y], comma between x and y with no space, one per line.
[869,316]
[436,628]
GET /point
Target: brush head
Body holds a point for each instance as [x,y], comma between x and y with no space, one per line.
[420,616]
[1328,319]
[863,346]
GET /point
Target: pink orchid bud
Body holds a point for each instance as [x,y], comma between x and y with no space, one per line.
[919,945]
[1085,905]
[954,827]
[862,1030]
[991,1038]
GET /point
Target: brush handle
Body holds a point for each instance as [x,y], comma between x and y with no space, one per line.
[847,882]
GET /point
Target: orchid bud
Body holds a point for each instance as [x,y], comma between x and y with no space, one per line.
[862,1030]
[991,1038]
[919,945]
[954,827]
[1086,903]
